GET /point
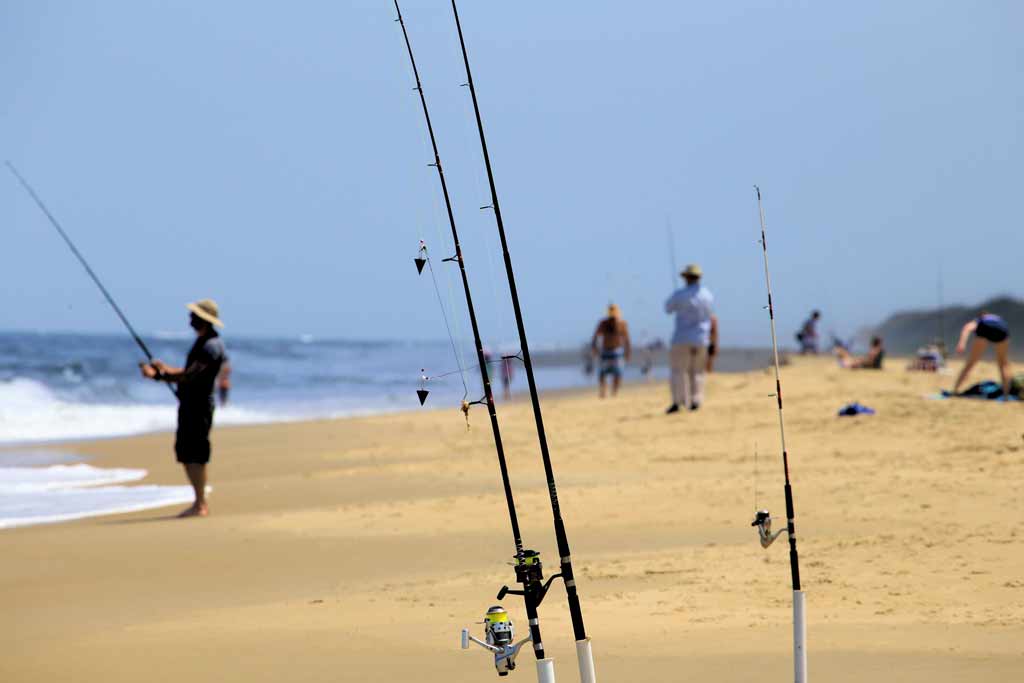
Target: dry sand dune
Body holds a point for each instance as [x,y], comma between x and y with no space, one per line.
[355,550]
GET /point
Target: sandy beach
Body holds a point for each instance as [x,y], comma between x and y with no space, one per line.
[356,550]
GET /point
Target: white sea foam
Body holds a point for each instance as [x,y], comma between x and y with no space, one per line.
[40,495]
[29,411]
[29,479]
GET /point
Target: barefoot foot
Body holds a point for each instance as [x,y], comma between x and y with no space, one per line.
[197,510]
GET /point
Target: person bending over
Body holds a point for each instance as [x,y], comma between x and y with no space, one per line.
[195,384]
[988,328]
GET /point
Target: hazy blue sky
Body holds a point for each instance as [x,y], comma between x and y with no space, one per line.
[272,156]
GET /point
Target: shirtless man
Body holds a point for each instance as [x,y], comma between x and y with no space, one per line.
[613,350]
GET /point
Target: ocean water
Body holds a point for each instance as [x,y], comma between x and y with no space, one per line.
[60,387]
[33,490]
[57,387]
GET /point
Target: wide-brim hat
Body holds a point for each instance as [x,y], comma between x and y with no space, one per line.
[207,310]
[692,270]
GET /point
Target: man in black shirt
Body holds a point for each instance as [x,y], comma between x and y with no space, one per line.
[195,397]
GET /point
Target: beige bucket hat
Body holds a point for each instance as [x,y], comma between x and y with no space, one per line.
[692,270]
[207,310]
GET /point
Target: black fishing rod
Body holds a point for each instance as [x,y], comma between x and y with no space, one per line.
[575,611]
[527,563]
[85,264]
[762,519]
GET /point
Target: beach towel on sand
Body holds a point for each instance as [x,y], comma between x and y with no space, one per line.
[855,408]
[990,390]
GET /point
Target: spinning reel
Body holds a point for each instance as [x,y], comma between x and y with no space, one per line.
[763,522]
[498,629]
[498,636]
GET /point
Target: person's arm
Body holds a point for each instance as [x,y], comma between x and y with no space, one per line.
[224,377]
[713,343]
[177,375]
[965,332]
[670,304]
[160,371]
[625,340]
[593,340]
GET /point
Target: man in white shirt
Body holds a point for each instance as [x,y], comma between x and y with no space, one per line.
[694,341]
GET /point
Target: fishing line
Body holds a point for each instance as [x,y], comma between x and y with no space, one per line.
[458,356]
[755,477]
[493,361]
[583,646]
[762,518]
[450,321]
[490,247]
[528,567]
[672,253]
[81,259]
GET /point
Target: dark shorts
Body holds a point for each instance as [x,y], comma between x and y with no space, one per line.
[611,364]
[993,333]
[192,441]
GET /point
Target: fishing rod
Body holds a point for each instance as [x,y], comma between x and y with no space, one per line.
[672,252]
[583,647]
[528,568]
[762,518]
[81,259]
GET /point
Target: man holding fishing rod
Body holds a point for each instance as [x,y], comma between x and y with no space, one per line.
[694,341]
[195,397]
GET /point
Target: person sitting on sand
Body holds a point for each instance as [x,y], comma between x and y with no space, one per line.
[870,361]
[929,358]
[195,397]
[987,328]
[614,348]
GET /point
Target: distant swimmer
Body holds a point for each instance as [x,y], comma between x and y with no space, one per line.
[988,328]
[872,360]
[611,345]
[808,334]
[694,340]
[195,397]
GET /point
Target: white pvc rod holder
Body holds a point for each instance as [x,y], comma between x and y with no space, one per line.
[586,660]
[546,670]
[799,638]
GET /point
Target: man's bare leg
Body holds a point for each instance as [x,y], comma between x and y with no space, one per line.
[1003,360]
[196,473]
[601,387]
[977,348]
[616,383]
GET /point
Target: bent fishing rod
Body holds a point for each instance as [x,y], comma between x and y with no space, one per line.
[583,648]
[81,259]
[528,567]
[762,518]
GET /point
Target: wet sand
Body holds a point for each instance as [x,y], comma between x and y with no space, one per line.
[356,550]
